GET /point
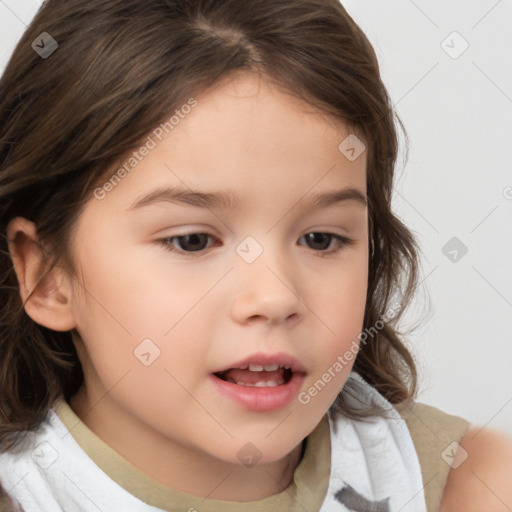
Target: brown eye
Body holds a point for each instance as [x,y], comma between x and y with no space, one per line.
[321,241]
[193,242]
[186,244]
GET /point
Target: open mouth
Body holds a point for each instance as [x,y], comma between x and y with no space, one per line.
[257,376]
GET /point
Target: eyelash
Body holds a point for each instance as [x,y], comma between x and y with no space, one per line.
[342,241]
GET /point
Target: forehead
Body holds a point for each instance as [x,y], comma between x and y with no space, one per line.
[249,136]
[267,114]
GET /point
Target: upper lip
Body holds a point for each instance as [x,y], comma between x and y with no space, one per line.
[262,359]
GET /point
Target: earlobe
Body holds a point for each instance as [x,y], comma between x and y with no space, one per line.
[46,295]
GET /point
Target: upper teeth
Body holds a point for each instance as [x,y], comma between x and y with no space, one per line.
[267,368]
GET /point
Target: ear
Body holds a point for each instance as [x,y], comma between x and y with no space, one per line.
[50,303]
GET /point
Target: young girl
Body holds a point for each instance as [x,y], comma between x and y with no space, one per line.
[261,369]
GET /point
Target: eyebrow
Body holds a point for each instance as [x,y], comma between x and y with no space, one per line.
[229,200]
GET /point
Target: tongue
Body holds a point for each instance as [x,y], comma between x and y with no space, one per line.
[248,377]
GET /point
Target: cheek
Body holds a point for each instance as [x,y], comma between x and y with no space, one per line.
[136,344]
[132,292]
[340,305]
[129,294]
[341,299]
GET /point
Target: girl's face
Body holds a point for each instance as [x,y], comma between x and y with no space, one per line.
[159,312]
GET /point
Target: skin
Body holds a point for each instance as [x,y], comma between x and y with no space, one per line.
[482,481]
[205,312]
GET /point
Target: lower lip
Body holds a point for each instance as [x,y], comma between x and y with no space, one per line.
[261,399]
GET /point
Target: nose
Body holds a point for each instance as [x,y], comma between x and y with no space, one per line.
[267,291]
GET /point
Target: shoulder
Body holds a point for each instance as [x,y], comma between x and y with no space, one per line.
[482,478]
[435,434]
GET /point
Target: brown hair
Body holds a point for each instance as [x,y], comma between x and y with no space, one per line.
[119,67]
